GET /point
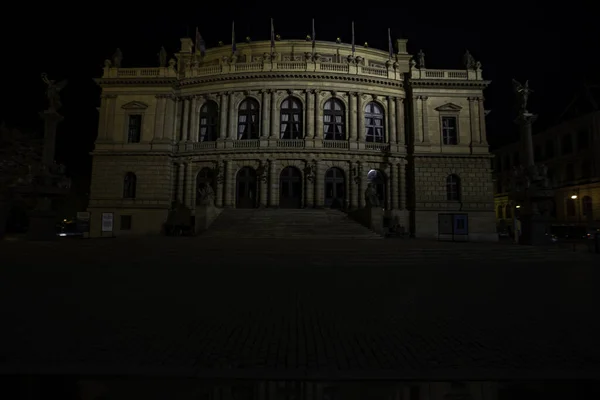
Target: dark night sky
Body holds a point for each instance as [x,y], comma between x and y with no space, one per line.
[551,47]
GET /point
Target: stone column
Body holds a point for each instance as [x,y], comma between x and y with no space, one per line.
[102,118]
[310,114]
[417,122]
[180,181]
[274,117]
[159,117]
[51,119]
[400,120]
[264,186]
[392,120]
[223,116]
[273,184]
[189,187]
[264,108]
[402,185]
[474,140]
[318,115]
[169,118]
[425,120]
[362,133]
[395,186]
[177,117]
[186,119]
[319,183]
[220,186]
[482,129]
[525,120]
[232,115]
[352,116]
[194,128]
[228,186]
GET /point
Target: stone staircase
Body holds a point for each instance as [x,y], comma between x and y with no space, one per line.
[287,223]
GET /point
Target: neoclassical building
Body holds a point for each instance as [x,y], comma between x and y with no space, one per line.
[302,125]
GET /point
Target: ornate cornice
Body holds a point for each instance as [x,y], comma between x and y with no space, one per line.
[448,83]
[136,81]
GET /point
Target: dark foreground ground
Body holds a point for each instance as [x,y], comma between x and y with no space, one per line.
[399,309]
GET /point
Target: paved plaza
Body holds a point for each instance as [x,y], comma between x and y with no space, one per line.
[403,309]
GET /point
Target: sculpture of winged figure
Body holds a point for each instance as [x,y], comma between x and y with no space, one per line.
[53,91]
[469,60]
[522,92]
[162,57]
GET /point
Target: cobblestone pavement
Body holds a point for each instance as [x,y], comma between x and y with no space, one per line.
[296,308]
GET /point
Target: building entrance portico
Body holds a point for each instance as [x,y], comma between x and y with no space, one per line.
[246,188]
[335,188]
[290,188]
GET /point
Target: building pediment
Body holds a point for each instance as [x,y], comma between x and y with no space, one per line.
[135,105]
[449,107]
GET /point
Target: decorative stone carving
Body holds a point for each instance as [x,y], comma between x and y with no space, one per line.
[266,57]
[468,60]
[206,195]
[413,63]
[117,58]
[172,63]
[374,97]
[162,57]
[53,92]
[333,93]
[421,58]
[107,63]
[371,198]
[522,94]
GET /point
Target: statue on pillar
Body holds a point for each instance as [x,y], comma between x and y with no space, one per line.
[53,92]
[117,58]
[421,58]
[469,60]
[522,92]
[162,57]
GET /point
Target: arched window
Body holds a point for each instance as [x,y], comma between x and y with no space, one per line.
[453,188]
[129,184]
[291,119]
[586,206]
[248,120]
[209,122]
[334,120]
[374,123]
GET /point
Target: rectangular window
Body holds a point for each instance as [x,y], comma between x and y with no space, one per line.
[125,222]
[134,133]
[449,130]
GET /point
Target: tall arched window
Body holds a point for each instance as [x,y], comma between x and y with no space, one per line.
[453,188]
[374,123]
[248,120]
[586,206]
[291,119]
[129,185]
[334,120]
[209,122]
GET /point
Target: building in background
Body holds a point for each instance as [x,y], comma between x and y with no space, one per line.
[295,124]
[571,151]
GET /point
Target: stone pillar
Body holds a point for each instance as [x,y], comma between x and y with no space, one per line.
[169,118]
[395,186]
[232,129]
[425,119]
[223,116]
[388,188]
[482,129]
[159,117]
[318,115]
[107,118]
[264,129]
[392,120]
[361,184]
[264,186]
[186,119]
[417,122]
[352,116]
[178,115]
[274,117]
[402,185]
[400,121]
[51,120]
[102,122]
[194,128]
[273,184]
[228,185]
[474,139]
[310,114]
[219,186]
[525,120]
[319,184]
[190,185]
[180,182]
[362,133]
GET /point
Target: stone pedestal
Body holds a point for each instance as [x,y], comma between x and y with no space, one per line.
[51,119]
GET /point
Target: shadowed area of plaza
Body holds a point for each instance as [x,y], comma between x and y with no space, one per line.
[298,308]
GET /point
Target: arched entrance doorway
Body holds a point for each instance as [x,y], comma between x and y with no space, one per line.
[377,178]
[290,188]
[246,188]
[335,188]
[206,177]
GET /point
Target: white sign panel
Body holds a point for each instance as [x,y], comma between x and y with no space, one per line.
[107,222]
[83,216]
